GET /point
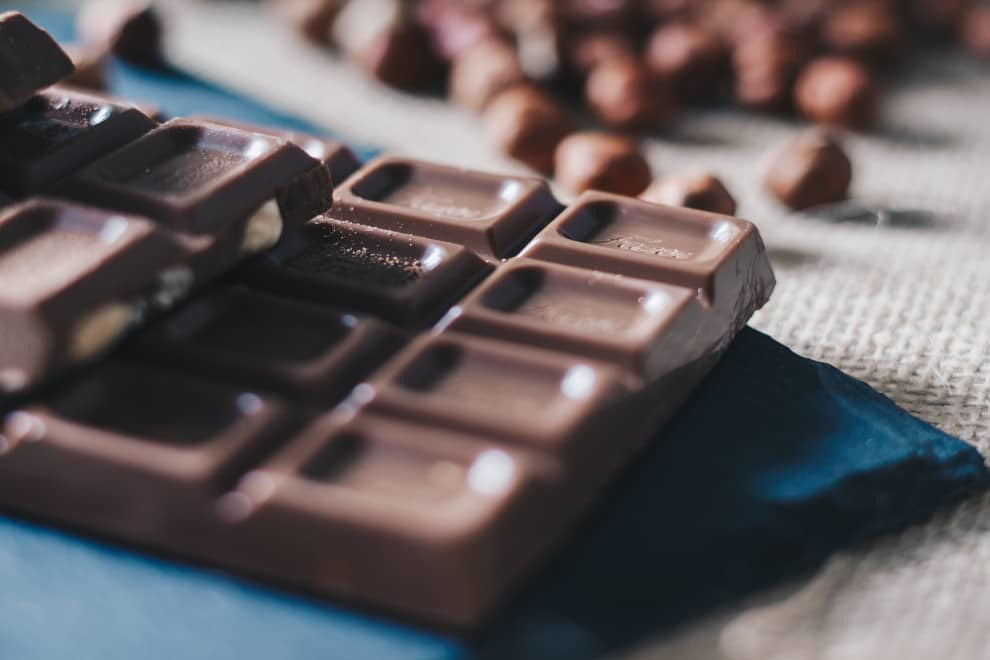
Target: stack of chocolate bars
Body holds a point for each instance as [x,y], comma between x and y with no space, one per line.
[400,393]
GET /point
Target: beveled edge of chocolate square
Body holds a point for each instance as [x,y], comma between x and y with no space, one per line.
[495,236]
[280,171]
[50,64]
[709,275]
[589,385]
[670,327]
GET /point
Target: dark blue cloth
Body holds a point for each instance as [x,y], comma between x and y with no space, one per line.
[776,462]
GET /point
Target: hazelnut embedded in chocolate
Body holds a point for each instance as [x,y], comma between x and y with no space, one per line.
[688,57]
[836,90]
[974,32]
[131,29]
[623,94]
[601,161]
[699,190]
[479,73]
[868,31]
[811,170]
[527,125]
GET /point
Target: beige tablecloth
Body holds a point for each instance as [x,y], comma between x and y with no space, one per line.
[907,309]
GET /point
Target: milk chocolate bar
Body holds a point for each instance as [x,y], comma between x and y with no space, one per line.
[58,132]
[405,403]
[30,60]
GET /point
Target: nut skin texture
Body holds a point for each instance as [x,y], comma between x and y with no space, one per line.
[836,91]
[130,29]
[601,161]
[690,58]
[527,125]
[869,32]
[701,190]
[623,94]
[974,32]
[481,72]
[811,170]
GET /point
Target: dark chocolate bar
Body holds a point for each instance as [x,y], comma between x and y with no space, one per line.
[57,133]
[493,215]
[276,434]
[30,60]
[71,283]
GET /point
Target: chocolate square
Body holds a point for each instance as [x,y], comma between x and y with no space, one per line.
[404,279]
[493,215]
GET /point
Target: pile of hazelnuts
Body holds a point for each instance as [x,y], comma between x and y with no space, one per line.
[634,64]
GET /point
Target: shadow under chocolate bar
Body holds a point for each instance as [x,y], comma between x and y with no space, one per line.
[404,401]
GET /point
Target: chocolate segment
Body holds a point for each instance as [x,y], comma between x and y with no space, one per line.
[404,279]
[60,131]
[196,177]
[534,398]
[719,256]
[490,214]
[424,521]
[298,350]
[136,452]
[70,279]
[334,154]
[636,324]
[30,60]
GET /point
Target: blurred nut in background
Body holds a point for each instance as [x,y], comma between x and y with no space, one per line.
[689,58]
[697,190]
[527,125]
[623,94]
[975,32]
[601,161]
[810,170]
[836,90]
[482,71]
[868,31]
[130,29]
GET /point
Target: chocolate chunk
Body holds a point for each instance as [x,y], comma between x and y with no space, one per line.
[30,60]
[836,90]
[719,257]
[337,156]
[481,72]
[537,399]
[527,125]
[408,510]
[610,318]
[404,279]
[70,284]
[493,215]
[298,350]
[313,19]
[59,132]
[689,58]
[868,31]
[130,29]
[91,67]
[138,452]
[700,190]
[975,32]
[400,56]
[811,170]
[601,161]
[623,94]
[195,177]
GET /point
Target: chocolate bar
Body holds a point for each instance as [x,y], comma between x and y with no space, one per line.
[403,400]
[30,60]
[60,131]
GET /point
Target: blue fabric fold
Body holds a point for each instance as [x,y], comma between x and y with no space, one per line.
[775,463]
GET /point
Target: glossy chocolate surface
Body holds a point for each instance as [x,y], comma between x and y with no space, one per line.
[30,60]
[490,214]
[58,132]
[404,279]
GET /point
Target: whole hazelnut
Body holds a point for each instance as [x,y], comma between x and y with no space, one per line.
[623,94]
[836,90]
[811,170]
[527,125]
[867,31]
[688,57]
[480,72]
[699,190]
[766,69]
[601,161]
